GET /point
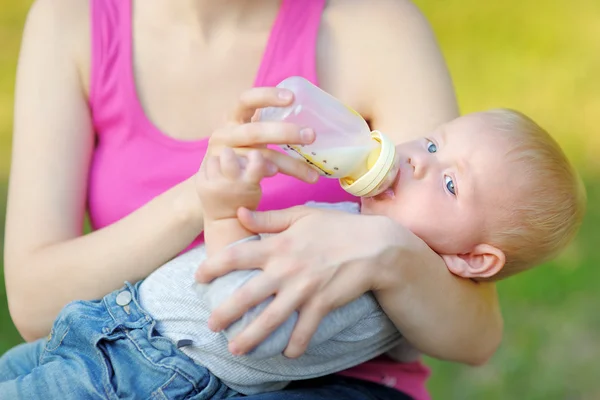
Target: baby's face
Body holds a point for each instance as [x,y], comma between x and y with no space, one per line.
[449,185]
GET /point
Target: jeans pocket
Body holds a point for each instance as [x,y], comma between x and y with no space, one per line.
[71,328]
[58,333]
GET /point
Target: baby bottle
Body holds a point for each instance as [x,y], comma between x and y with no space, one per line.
[344,148]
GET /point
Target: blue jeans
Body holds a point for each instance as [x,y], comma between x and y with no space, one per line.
[109,349]
[331,387]
[105,349]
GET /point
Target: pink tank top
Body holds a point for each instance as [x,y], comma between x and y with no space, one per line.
[134,161]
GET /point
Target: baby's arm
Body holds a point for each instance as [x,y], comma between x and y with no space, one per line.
[224,186]
[226,183]
[222,233]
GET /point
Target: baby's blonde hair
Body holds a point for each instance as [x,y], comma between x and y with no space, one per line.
[548,208]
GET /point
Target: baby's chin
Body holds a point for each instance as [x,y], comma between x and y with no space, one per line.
[374,205]
[365,205]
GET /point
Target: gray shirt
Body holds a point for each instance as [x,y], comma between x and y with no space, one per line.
[346,337]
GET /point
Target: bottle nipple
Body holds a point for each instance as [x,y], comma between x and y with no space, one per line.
[380,164]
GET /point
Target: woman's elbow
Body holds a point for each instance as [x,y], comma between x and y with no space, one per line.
[22,318]
[474,348]
[478,359]
[28,331]
[20,307]
[486,345]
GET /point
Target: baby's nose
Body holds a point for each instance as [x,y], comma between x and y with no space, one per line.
[420,165]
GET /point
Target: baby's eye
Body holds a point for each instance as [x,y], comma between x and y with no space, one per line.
[449,183]
[431,147]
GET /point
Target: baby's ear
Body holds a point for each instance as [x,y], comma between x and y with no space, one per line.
[483,261]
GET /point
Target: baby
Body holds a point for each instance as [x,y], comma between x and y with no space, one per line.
[491,192]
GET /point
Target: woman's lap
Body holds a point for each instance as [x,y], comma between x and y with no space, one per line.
[24,358]
[332,387]
[20,360]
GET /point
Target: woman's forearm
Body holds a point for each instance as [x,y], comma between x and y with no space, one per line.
[440,314]
[42,280]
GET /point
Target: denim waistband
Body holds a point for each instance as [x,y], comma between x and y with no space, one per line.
[124,307]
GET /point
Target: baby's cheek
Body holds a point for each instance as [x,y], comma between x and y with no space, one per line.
[430,228]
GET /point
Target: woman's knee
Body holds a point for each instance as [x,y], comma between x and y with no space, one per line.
[20,360]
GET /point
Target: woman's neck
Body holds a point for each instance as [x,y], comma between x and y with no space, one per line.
[213,17]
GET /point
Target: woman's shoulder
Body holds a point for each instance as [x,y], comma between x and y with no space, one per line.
[367,41]
[381,9]
[65,25]
[379,57]
[65,16]
[375,28]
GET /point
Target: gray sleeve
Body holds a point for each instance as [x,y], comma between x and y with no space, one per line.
[214,293]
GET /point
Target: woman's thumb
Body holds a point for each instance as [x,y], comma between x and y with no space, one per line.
[270,221]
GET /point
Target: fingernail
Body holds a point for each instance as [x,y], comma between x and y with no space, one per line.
[285,95]
[312,175]
[233,349]
[272,169]
[288,354]
[307,135]
[212,326]
[200,277]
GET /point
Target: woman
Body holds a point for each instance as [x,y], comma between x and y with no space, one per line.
[115,102]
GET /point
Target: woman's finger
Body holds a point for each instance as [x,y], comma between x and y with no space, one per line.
[252,293]
[277,312]
[309,319]
[274,221]
[350,283]
[260,97]
[243,256]
[285,164]
[262,133]
[230,163]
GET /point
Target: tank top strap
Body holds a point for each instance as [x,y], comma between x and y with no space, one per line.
[110,61]
[292,46]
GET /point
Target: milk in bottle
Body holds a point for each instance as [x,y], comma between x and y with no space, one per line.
[344,148]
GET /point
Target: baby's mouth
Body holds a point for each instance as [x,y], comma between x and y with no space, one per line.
[395,186]
[389,193]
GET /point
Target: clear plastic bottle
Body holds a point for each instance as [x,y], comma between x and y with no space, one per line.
[344,147]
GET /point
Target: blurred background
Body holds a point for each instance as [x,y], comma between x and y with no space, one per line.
[542,58]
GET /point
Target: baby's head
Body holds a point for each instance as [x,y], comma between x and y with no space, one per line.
[491,192]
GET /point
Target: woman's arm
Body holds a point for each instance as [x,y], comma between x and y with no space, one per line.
[410,93]
[440,314]
[47,261]
[349,255]
[392,71]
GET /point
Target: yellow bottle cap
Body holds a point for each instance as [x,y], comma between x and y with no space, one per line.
[380,163]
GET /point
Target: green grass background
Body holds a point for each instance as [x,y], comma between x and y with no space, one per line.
[540,57]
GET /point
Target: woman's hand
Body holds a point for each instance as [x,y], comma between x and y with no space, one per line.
[243,133]
[315,274]
[323,259]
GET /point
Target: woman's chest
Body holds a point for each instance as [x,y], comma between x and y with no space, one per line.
[188,91]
